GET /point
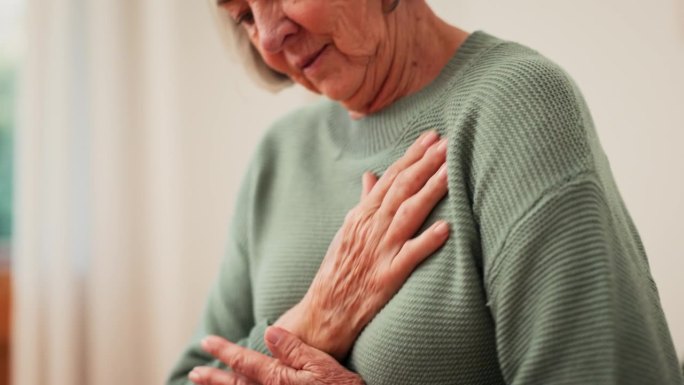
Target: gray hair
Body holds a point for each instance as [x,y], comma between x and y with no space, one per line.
[237,42]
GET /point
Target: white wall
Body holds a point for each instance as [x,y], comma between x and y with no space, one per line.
[627,56]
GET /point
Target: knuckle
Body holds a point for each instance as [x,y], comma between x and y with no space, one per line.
[404,212]
[389,211]
[407,178]
[349,217]
[413,179]
[237,363]
[389,241]
[291,348]
[384,281]
[277,376]
[271,380]
[423,199]
[282,376]
[352,215]
[392,172]
[400,191]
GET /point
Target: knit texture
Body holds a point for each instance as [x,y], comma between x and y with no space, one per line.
[543,280]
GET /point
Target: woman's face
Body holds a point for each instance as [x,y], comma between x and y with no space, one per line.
[329,46]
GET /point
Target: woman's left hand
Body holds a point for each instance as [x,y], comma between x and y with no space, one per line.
[295,363]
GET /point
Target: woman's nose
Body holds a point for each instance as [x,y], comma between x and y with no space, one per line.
[274,27]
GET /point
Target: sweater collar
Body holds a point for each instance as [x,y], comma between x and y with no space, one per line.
[381,131]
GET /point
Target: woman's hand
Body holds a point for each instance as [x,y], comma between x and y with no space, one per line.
[295,363]
[373,254]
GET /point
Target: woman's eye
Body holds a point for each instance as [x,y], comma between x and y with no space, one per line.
[245,17]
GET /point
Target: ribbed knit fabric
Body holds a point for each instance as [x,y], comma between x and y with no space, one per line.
[544,279]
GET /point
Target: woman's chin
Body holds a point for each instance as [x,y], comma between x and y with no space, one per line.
[341,91]
[334,81]
[335,87]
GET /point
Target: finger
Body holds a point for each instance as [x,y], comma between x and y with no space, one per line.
[418,249]
[368,180]
[413,211]
[289,349]
[412,155]
[414,178]
[239,379]
[254,365]
[206,375]
[314,366]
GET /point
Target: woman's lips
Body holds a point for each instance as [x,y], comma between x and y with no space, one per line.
[309,63]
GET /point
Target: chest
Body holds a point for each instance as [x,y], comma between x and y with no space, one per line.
[436,329]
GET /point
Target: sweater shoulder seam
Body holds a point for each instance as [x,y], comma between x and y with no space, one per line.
[490,275]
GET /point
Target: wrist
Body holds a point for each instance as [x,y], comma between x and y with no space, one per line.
[326,329]
[315,331]
[292,321]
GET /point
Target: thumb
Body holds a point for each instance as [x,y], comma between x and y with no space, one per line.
[288,348]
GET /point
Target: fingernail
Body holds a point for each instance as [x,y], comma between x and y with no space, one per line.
[442,228]
[442,173]
[442,145]
[273,335]
[209,343]
[430,136]
[195,375]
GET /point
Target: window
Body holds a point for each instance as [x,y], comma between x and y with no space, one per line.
[9,50]
[7,87]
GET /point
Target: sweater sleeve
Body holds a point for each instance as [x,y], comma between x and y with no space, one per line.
[228,311]
[572,298]
[564,271]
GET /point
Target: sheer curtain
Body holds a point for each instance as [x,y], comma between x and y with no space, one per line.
[134,130]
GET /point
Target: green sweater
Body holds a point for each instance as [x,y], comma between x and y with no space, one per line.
[543,280]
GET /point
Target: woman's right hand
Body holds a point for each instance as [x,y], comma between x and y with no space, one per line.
[373,254]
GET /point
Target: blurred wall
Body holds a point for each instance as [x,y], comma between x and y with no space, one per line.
[627,56]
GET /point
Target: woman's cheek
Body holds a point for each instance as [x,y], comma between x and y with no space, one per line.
[277,62]
[312,15]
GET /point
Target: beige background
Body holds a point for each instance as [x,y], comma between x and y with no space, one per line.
[626,56]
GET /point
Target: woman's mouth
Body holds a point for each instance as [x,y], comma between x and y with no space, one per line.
[313,61]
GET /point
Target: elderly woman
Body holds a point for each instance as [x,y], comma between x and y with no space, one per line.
[494,249]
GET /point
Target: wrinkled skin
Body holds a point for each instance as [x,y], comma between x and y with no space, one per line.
[374,57]
[294,363]
[285,30]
